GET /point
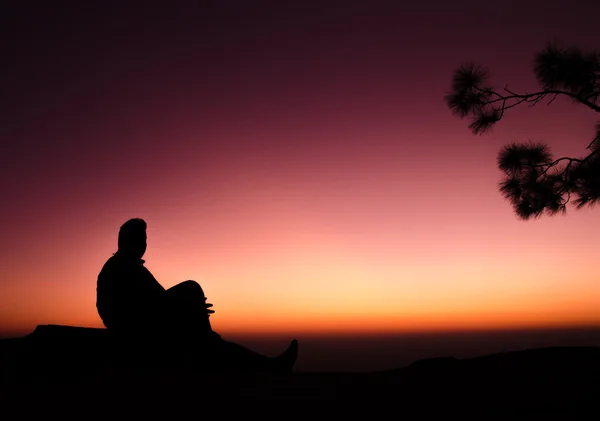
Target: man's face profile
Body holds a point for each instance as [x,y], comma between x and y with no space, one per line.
[141,244]
[135,245]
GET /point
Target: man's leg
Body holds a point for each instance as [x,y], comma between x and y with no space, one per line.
[236,357]
[187,304]
[187,309]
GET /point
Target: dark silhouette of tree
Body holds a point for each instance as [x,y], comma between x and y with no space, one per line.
[534,181]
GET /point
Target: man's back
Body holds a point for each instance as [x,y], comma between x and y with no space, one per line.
[127,295]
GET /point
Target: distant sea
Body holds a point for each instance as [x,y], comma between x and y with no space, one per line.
[383,352]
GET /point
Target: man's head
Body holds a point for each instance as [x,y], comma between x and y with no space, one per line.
[132,238]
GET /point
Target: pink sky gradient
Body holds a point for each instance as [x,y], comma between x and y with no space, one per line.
[300,164]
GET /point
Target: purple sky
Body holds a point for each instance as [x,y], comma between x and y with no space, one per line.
[287,155]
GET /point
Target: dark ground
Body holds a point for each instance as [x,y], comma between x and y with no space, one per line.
[544,383]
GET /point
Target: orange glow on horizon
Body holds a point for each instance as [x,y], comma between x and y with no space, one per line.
[334,292]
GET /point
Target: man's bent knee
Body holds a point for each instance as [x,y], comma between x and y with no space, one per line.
[191,285]
[186,287]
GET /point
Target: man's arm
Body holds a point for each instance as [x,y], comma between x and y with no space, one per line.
[126,300]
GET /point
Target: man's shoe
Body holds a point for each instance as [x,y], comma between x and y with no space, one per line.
[286,360]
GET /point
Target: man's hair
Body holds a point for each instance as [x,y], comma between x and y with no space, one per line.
[131,230]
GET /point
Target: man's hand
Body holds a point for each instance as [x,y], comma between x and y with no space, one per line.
[208,306]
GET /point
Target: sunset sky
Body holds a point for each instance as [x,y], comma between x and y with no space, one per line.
[297,160]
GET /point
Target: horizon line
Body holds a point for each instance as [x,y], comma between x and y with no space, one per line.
[363,333]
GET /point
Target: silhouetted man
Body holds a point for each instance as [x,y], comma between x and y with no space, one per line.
[134,306]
